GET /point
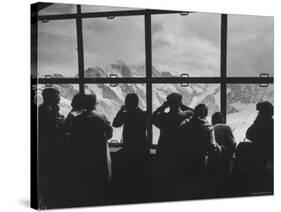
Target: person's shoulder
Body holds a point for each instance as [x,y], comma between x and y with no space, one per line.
[187,113]
[222,126]
[44,109]
[98,115]
[142,112]
[204,123]
[185,123]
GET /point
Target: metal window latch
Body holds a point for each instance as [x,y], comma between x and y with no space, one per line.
[110,17]
[49,84]
[185,84]
[112,76]
[184,13]
[44,21]
[263,75]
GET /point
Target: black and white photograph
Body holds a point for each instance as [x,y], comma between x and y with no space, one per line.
[137,105]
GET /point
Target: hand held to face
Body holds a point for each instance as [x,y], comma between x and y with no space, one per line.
[123,108]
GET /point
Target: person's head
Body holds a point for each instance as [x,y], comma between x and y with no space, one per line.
[78,102]
[218,118]
[174,101]
[51,96]
[131,101]
[90,102]
[201,111]
[265,108]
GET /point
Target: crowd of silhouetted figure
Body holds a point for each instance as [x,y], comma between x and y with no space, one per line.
[194,158]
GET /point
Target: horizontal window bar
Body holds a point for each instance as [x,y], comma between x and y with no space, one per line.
[248,80]
[105,14]
[57,17]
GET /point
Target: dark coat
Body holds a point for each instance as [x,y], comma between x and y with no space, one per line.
[134,137]
[90,168]
[197,139]
[168,124]
[51,135]
[50,139]
[224,138]
[261,134]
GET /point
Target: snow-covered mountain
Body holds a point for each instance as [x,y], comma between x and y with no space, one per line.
[241,98]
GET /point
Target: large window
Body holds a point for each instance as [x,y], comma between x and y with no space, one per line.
[187,44]
[250,45]
[224,61]
[57,48]
[114,46]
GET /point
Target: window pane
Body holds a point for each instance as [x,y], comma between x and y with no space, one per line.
[241,106]
[67,91]
[193,95]
[99,8]
[186,44]
[56,9]
[250,45]
[112,98]
[57,49]
[114,46]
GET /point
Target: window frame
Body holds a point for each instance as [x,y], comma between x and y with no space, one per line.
[223,79]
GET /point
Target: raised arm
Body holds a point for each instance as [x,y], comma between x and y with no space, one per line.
[157,115]
[119,119]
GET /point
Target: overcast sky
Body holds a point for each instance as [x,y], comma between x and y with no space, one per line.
[180,44]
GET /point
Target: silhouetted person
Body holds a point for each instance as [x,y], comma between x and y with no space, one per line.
[261,133]
[168,122]
[254,158]
[135,147]
[134,121]
[224,137]
[50,138]
[197,141]
[78,107]
[90,155]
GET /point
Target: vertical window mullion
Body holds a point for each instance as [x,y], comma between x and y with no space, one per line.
[80,50]
[148,59]
[223,62]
